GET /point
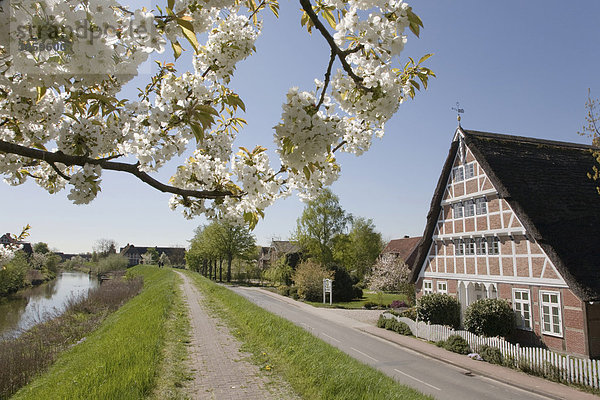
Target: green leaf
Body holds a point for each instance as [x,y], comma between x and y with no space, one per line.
[41,91]
[171,4]
[188,31]
[274,7]
[177,49]
[425,57]
[328,15]
[198,132]
[306,171]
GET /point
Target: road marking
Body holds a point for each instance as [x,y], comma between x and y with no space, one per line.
[366,355]
[416,379]
[330,337]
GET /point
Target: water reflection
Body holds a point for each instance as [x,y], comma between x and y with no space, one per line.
[32,306]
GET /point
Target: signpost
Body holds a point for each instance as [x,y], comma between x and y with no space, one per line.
[327,287]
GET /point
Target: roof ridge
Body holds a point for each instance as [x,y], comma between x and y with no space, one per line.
[526,139]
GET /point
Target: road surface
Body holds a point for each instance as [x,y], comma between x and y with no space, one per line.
[425,374]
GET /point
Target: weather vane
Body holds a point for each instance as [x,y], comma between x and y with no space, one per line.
[458,111]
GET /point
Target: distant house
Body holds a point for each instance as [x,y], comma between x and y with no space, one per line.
[7,239]
[134,253]
[517,218]
[279,248]
[405,248]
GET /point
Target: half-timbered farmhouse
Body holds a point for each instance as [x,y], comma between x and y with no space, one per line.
[518,218]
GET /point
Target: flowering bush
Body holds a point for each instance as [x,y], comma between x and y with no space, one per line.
[398,304]
[388,274]
[63,120]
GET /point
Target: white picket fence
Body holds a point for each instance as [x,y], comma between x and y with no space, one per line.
[534,359]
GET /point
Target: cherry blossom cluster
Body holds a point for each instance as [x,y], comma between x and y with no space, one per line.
[62,75]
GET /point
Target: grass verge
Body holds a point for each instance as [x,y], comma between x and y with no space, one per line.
[174,371]
[315,369]
[384,299]
[121,358]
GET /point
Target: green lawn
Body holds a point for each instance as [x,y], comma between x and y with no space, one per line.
[120,359]
[385,299]
[315,369]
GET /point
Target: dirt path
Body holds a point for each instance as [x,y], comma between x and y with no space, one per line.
[221,371]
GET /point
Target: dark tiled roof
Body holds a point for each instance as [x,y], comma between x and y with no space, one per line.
[402,247]
[284,246]
[546,184]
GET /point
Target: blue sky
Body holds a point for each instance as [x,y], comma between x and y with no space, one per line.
[517,67]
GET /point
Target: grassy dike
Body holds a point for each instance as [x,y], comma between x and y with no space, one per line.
[119,360]
[315,369]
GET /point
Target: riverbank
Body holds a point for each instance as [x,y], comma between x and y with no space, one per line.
[26,356]
[120,359]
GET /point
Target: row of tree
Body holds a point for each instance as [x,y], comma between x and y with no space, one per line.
[216,243]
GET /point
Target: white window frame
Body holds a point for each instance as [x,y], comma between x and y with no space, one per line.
[469,170]
[469,208]
[493,245]
[459,247]
[427,286]
[481,206]
[442,287]
[469,247]
[457,210]
[458,174]
[480,246]
[518,307]
[552,306]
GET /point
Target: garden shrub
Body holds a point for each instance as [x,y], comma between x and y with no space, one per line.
[438,308]
[457,344]
[398,304]
[394,325]
[490,317]
[283,290]
[491,355]
[409,313]
[309,279]
[369,305]
[343,289]
[113,262]
[357,291]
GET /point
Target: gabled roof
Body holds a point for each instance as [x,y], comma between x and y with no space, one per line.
[284,246]
[402,247]
[546,184]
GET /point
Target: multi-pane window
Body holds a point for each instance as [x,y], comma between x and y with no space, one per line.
[458,210]
[481,206]
[459,247]
[458,173]
[427,287]
[469,247]
[480,246]
[493,245]
[469,170]
[522,307]
[442,287]
[551,316]
[469,208]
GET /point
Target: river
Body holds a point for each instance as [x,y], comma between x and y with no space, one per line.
[31,306]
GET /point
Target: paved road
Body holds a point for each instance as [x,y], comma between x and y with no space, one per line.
[420,372]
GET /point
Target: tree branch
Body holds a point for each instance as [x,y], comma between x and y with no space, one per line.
[307,7]
[327,79]
[133,169]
